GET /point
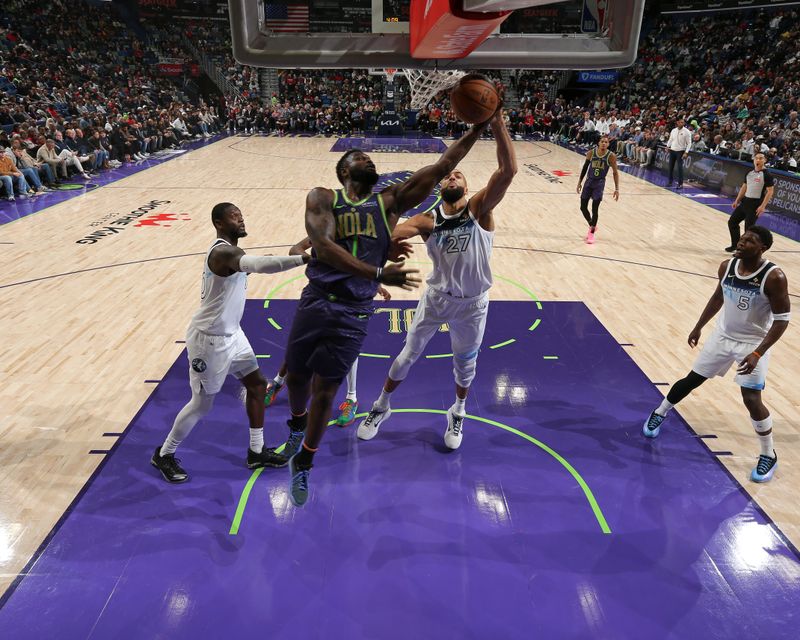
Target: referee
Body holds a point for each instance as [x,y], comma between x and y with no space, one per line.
[680,140]
[753,198]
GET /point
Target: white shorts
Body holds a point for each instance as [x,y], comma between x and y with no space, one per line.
[212,358]
[466,318]
[719,353]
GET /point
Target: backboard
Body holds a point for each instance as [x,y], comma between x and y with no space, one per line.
[375,33]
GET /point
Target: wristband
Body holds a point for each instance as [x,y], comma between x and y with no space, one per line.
[378,273]
[757,353]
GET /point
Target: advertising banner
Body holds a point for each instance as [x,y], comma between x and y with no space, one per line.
[726,176]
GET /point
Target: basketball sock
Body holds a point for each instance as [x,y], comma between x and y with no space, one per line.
[257,439]
[298,423]
[383,402]
[305,457]
[352,376]
[170,446]
[665,407]
[459,406]
[279,379]
[764,430]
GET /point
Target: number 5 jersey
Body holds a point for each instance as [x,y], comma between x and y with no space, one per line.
[746,313]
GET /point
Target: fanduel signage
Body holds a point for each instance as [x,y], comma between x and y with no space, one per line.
[597,77]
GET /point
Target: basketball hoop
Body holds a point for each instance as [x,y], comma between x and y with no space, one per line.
[425,84]
[389,73]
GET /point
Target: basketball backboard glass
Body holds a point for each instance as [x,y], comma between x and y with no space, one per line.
[375,33]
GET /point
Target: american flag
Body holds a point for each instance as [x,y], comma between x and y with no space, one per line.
[287,18]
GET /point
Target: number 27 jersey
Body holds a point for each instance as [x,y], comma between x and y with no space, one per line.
[460,250]
[746,313]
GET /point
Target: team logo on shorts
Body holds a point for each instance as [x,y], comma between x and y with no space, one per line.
[199,365]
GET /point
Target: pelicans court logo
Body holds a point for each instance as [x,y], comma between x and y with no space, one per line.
[113,224]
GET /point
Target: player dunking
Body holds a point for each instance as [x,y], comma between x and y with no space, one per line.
[598,161]
[350,231]
[458,236]
[754,297]
[217,346]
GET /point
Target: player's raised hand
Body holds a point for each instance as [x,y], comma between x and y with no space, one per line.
[400,250]
[396,275]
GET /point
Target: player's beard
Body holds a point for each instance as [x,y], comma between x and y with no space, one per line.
[451,195]
[241,233]
[364,176]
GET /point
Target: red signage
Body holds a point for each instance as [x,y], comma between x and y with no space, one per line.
[440,29]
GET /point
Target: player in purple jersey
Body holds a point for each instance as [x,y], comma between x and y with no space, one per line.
[598,161]
[350,231]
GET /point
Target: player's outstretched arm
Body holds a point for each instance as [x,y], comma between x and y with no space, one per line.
[483,202]
[713,305]
[226,260]
[400,198]
[418,225]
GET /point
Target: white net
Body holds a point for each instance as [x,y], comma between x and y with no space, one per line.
[425,84]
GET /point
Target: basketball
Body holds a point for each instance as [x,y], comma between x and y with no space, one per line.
[474,99]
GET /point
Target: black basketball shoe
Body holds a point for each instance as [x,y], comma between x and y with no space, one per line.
[267,458]
[169,466]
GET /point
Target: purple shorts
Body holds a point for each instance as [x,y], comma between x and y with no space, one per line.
[593,189]
[326,335]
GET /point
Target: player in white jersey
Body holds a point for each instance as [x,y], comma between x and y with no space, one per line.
[217,346]
[458,236]
[754,297]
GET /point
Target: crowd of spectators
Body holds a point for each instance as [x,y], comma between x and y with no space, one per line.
[68,106]
[734,78]
[73,107]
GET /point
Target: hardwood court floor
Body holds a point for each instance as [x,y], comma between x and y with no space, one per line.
[85,325]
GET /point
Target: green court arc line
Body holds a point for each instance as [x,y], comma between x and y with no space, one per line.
[279,287]
[435,355]
[598,513]
[601,520]
[237,518]
[503,344]
[274,324]
[523,287]
[373,355]
[550,357]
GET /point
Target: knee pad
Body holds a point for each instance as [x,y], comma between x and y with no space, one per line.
[464,366]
